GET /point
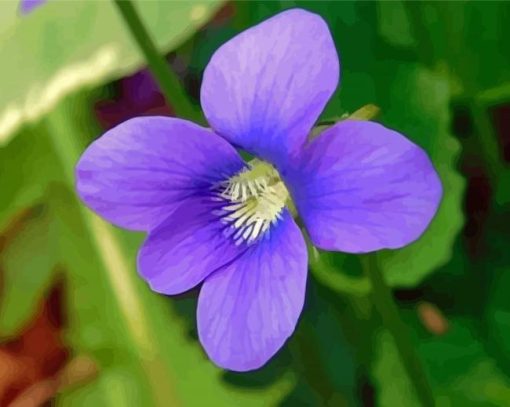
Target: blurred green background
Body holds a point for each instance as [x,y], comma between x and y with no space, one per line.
[79,327]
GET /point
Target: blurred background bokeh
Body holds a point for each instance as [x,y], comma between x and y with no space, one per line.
[78,327]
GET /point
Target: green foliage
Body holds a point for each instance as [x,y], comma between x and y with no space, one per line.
[28,268]
[24,171]
[394,24]
[461,372]
[29,260]
[65,46]
[418,106]
[392,385]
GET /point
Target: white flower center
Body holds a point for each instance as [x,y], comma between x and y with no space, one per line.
[255,199]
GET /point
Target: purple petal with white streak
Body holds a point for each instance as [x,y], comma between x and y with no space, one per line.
[191,244]
[248,309]
[136,174]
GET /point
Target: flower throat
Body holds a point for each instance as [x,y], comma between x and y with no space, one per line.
[255,199]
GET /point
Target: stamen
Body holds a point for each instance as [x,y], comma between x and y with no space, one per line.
[254,199]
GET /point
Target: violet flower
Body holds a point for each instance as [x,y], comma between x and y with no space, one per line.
[213,219]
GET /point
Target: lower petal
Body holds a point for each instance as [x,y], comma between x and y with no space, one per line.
[248,309]
[186,248]
[360,187]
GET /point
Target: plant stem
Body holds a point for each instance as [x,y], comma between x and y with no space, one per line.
[67,144]
[325,273]
[167,80]
[387,308]
[338,281]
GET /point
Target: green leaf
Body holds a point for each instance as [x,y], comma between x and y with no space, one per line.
[65,46]
[330,348]
[463,36]
[28,268]
[462,373]
[394,23]
[25,171]
[495,271]
[393,387]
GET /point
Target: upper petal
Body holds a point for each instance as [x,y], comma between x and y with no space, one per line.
[264,89]
[136,174]
[361,187]
[187,247]
[247,310]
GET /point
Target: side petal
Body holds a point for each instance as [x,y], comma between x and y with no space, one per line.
[264,89]
[360,187]
[247,310]
[136,174]
[187,247]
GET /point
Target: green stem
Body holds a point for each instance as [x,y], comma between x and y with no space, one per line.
[327,275]
[308,358]
[67,145]
[338,281]
[168,81]
[387,308]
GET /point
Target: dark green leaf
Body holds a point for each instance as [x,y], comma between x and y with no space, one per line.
[462,373]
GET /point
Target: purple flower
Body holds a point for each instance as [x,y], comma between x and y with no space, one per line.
[215,219]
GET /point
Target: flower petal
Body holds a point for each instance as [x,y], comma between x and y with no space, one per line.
[27,6]
[360,187]
[187,247]
[264,89]
[136,174]
[247,310]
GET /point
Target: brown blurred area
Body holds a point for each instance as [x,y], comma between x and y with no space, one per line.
[36,365]
[35,357]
